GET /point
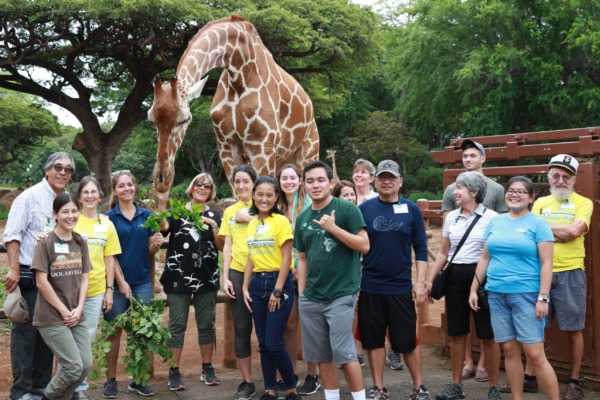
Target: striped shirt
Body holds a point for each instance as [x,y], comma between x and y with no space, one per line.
[29,215]
[455,227]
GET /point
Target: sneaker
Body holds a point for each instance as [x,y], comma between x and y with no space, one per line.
[82,395]
[361,360]
[494,394]
[574,392]
[528,387]
[208,376]
[175,383]
[267,396]
[141,389]
[310,386]
[281,390]
[419,394]
[293,396]
[395,360]
[246,390]
[452,391]
[376,393]
[110,390]
[37,391]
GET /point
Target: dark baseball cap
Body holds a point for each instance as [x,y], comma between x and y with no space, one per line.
[389,166]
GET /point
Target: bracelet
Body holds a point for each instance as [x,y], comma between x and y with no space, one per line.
[111,288]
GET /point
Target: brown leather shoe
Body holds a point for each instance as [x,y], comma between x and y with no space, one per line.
[574,392]
[528,387]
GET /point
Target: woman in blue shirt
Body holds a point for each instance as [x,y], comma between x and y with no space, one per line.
[136,242]
[517,258]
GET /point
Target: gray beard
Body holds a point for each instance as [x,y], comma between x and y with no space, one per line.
[561,195]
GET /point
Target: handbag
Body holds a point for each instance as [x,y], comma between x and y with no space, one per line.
[438,286]
[482,295]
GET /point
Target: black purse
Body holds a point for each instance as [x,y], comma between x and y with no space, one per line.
[438,286]
[482,295]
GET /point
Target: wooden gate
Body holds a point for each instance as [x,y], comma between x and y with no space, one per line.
[539,147]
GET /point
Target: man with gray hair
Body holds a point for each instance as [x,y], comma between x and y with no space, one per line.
[569,215]
[29,215]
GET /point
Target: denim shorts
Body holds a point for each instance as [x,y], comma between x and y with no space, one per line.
[143,293]
[513,317]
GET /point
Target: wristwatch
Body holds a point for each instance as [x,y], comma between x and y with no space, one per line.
[277,293]
[544,298]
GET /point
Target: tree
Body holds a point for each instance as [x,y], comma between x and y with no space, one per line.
[24,123]
[495,67]
[100,57]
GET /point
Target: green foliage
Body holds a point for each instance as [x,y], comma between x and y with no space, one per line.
[145,334]
[494,67]
[177,209]
[24,123]
[3,211]
[414,196]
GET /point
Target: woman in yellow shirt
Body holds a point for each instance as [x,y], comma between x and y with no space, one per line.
[268,285]
[235,253]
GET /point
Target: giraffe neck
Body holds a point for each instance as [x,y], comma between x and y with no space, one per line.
[220,45]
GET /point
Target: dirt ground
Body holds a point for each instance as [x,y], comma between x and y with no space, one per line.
[190,361]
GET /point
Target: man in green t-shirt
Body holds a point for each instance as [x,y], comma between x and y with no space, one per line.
[329,237]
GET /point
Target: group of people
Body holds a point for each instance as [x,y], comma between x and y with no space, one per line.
[529,256]
[298,252]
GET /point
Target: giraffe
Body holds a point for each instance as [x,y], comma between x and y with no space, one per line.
[331,156]
[260,113]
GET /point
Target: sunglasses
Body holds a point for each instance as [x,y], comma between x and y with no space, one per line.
[60,168]
[204,185]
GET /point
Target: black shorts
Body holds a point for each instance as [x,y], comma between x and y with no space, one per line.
[458,312]
[377,313]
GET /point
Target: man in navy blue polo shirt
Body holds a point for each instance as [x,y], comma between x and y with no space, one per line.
[387,296]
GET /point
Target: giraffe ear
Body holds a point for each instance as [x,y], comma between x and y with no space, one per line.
[196,89]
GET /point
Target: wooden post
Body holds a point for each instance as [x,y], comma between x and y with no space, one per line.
[229,358]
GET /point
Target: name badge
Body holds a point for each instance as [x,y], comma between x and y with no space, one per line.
[260,229]
[101,228]
[61,248]
[194,234]
[567,205]
[400,209]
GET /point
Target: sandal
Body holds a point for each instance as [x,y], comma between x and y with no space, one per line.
[482,376]
[467,373]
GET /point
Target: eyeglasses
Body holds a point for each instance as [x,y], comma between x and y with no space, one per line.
[60,168]
[89,192]
[518,192]
[204,185]
[558,177]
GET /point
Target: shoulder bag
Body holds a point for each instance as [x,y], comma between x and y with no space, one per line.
[438,286]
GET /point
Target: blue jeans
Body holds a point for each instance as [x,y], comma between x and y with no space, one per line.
[270,328]
[92,310]
[143,293]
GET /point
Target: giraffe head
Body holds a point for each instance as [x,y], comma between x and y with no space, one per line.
[171,114]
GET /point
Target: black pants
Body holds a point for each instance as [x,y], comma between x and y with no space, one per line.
[30,358]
